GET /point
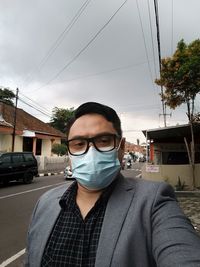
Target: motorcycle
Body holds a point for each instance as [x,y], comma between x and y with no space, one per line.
[128,164]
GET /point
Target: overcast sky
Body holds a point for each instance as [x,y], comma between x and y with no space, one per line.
[62,53]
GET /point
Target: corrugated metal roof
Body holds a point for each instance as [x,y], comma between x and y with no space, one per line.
[179,131]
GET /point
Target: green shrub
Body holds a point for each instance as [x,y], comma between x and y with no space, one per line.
[59,149]
[180,185]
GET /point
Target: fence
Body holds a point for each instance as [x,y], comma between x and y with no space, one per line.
[171,173]
[53,164]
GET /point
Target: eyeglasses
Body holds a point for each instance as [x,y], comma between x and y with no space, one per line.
[102,143]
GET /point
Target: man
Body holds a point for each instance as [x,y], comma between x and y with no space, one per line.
[104,219]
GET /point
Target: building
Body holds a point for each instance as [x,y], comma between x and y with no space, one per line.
[138,149]
[167,154]
[27,134]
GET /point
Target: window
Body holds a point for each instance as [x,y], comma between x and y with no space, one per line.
[5,159]
[27,144]
[28,157]
[38,146]
[173,158]
[17,158]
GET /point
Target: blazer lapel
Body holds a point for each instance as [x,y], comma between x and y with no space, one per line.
[50,211]
[115,215]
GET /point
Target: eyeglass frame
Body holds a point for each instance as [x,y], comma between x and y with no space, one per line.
[92,140]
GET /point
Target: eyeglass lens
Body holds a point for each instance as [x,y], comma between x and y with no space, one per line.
[102,143]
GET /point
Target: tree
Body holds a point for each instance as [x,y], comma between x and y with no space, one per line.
[59,149]
[180,75]
[6,96]
[60,117]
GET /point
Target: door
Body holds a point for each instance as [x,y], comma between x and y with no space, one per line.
[6,168]
[19,165]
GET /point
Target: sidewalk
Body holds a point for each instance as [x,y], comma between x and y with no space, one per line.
[190,203]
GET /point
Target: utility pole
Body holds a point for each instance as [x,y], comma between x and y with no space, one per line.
[164,114]
[159,57]
[15,119]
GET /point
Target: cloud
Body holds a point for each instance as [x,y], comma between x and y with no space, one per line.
[117,68]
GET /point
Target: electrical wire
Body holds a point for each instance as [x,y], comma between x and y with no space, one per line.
[172,36]
[144,40]
[42,108]
[61,37]
[146,50]
[84,48]
[152,42]
[105,72]
[44,113]
[139,106]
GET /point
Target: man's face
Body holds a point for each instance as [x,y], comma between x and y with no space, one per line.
[91,125]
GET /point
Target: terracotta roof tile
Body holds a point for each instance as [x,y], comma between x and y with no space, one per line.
[25,121]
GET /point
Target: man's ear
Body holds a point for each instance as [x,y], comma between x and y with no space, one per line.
[69,163]
[122,149]
[123,142]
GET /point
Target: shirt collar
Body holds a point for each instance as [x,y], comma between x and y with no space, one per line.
[68,199]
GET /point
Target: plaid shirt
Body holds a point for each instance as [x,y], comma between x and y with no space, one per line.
[73,241]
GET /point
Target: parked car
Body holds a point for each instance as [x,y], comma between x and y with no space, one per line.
[68,173]
[15,166]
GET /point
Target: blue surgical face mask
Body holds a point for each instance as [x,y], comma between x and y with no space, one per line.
[95,170]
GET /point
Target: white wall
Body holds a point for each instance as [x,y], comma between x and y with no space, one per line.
[18,143]
[5,142]
[46,147]
[171,173]
[52,164]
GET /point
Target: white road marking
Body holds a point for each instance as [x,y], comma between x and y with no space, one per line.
[13,258]
[28,191]
[20,253]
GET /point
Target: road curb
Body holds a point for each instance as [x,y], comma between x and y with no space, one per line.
[49,174]
[187,193]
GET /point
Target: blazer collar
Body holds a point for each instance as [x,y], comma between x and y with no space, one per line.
[116,211]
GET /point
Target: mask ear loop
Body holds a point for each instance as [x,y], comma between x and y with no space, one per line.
[119,144]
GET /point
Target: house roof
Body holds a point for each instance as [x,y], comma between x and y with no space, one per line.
[25,121]
[171,133]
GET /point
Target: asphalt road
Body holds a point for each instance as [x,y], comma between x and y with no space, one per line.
[16,205]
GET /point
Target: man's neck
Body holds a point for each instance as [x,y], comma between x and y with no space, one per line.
[86,199]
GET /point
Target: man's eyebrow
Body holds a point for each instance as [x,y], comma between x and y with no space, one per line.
[78,137]
[86,136]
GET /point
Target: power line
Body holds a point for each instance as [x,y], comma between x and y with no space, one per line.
[146,50]
[152,42]
[172,36]
[44,109]
[144,40]
[139,106]
[40,109]
[104,72]
[84,48]
[34,107]
[61,37]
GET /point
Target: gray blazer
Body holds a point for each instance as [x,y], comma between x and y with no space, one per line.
[143,227]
